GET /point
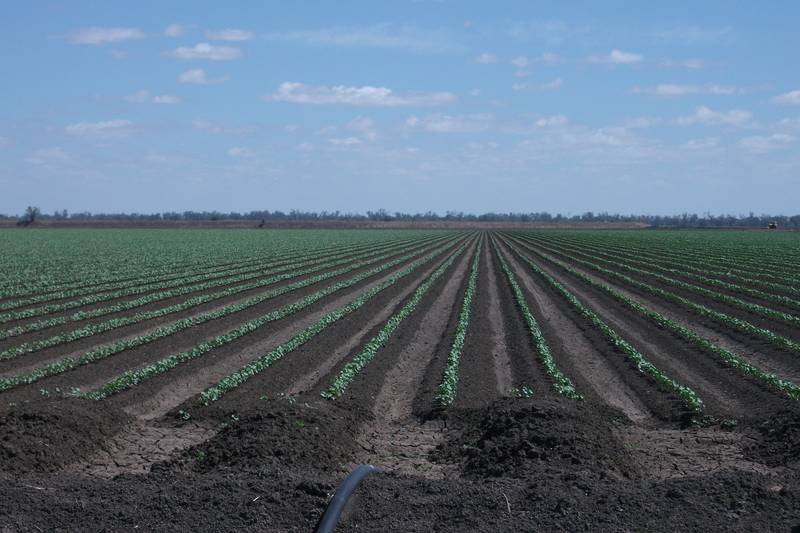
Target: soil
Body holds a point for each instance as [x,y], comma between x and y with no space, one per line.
[269,454]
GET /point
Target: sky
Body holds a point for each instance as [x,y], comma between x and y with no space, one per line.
[628,107]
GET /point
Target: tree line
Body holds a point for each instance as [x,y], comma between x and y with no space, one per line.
[693,220]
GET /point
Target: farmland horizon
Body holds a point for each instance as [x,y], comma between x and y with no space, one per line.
[277,218]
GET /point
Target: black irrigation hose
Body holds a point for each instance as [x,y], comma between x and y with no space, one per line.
[329,520]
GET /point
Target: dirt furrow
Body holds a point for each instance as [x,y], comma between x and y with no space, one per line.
[395,439]
[757,353]
[576,354]
[65,328]
[755,318]
[485,369]
[148,402]
[135,449]
[184,340]
[170,390]
[725,392]
[311,367]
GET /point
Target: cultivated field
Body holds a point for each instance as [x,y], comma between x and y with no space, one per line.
[505,380]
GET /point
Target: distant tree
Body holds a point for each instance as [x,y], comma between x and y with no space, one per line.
[30,216]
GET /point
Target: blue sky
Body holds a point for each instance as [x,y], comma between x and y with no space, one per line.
[631,107]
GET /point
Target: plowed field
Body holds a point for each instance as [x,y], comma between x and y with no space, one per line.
[213,380]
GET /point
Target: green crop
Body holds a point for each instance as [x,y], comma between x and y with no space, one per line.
[446,392]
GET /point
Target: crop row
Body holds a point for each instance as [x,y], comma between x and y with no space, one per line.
[360,360]
[163,295]
[561,383]
[446,391]
[682,271]
[130,291]
[705,259]
[94,279]
[724,298]
[257,366]
[730,358]
[132,377]
[722,318]
[689,396]
[122,257]
[114,323]
[688,264]
[102,352]
[714,295]
[145,279]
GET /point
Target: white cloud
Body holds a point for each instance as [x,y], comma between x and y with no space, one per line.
[486,58]
[703,144]
[174,30]
[378,36]
[673,89]
[552,85]
[239,151]
[617,57]
[520,61]
[790,98]
[767,143]
[346,141]
[305,147]
[549,32]
[704,115]
[48,156]
[364,126]
[198,76]
[547,86]
[552,121]
[474,92]
[142,96]
[366,96]
[210,127]
[166,99]
[522,74]
[207,51]
[138,97]
[692,63]
[230,34]
[549,58]
[694,35]
[642,122]
[581,141]
[439,123]
[100,36]
[104,129]
[4,141]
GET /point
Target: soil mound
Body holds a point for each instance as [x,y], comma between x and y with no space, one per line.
[44,435]
[777,441]
[281,434]
[513,438]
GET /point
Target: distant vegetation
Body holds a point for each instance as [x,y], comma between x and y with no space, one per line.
[750,220]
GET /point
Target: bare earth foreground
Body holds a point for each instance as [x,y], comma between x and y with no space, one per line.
[176,396]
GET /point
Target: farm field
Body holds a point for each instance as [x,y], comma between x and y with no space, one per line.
[504,380]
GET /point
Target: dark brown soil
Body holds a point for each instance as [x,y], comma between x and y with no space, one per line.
[514,438]
[46,434]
